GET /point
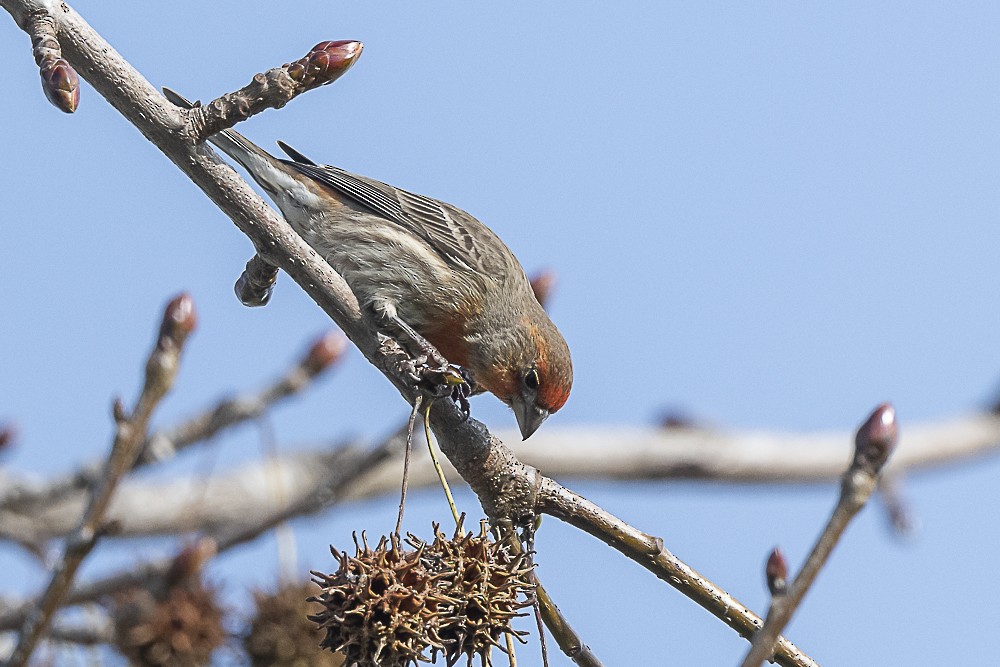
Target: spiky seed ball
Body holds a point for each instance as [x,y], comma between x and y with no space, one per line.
[389,606]
[281,634]
[491,582]
[376,604]
[182,629]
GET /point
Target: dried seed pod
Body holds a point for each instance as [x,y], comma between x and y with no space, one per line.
[181,630]
[490,582]
[389,606]
[281,634]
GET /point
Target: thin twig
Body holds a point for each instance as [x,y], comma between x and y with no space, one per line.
[546,610]
[95,631]
[325,63]
[536,607]
[161,369]
[323,354]
[406,461]
[873,444]
[649,552]
[511,653]
[570,642]
[350,467]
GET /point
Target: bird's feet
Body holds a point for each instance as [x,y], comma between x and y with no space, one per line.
[428,372]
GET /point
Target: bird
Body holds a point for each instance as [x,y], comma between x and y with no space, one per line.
[425,266]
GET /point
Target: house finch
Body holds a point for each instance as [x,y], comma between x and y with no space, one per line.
[426,266]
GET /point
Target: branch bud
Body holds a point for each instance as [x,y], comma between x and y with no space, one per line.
[118,411]
[60,84]
[189,561]
[8,434]
[326,351]
[776,572]
[256,283]
[875,440]
[676,419]
[542,284]
[325,63]
[179,320]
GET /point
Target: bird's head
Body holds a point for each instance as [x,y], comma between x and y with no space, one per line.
[532,373]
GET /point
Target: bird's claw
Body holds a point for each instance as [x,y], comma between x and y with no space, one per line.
[448,380]
[423,373]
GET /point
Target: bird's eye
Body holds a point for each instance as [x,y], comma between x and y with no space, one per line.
[531,379]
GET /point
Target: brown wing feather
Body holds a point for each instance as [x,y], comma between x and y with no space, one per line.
[455,235]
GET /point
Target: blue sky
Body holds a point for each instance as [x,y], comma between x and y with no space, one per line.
[772,215]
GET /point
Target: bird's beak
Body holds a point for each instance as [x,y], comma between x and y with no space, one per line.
[529,416]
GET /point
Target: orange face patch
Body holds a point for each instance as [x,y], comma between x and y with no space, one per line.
[553,391]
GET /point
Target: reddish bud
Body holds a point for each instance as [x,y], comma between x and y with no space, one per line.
[876,439]
[8,433]
[326,62]
[542,284]
[111,528]
[324,352]
[776,572]
[901,519]
[118,410]
[60,84]
[188,563]
[179,320]
[675,419]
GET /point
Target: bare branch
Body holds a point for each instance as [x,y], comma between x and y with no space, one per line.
[23,500]
[96,630]
[345,466]
[161,369]
[766,458]
[649,552]
[874,442]
[325,63]
[506,487]
[567,638]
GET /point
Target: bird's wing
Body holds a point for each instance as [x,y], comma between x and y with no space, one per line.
[454,234]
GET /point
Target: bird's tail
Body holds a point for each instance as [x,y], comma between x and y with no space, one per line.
[230,142]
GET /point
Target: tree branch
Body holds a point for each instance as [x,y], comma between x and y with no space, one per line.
[874,442]
[649,552]
[161,369]
[568,452]
[25,499]
[506,487]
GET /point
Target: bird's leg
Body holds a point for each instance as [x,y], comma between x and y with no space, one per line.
[431,368]
[430,354]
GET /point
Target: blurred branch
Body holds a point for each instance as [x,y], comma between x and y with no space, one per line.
[161,369]
[875,440]
[571,452]
[347,464]
[96,630]
[896,507]
[24,498]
